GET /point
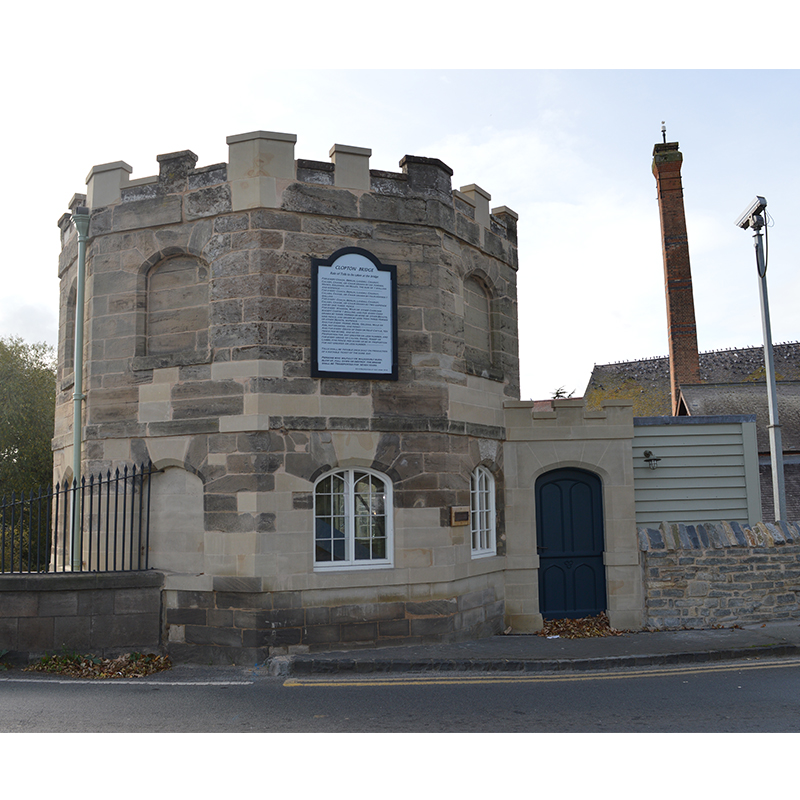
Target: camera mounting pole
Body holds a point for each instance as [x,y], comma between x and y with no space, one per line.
[752,218]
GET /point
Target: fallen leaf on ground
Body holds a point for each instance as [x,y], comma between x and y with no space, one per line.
[130,665]
[581,628]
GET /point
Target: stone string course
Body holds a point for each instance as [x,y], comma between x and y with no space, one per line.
[699,576]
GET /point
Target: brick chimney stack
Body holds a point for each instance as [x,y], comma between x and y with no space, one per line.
[684,360]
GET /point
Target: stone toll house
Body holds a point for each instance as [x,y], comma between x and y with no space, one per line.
[294,512]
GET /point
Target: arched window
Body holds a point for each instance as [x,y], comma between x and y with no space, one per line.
[177,307]
[477,326]
[352,520]
[482,513]
[176,539]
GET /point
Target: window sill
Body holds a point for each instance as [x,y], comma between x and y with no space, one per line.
[345,567]
[484,553]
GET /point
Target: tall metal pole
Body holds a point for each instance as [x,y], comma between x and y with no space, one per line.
[774,428]
[81,219]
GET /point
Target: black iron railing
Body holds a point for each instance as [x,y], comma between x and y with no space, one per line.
[103,525]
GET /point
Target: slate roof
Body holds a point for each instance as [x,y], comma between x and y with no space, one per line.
[718,399]
[733,382]
[646,382]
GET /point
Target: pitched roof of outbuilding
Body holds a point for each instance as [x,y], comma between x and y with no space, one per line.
[719,399]
[733,382]
[646,382]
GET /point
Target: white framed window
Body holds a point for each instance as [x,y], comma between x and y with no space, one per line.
[482,513]
[352,520]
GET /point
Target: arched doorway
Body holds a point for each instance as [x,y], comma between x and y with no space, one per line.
[570,543]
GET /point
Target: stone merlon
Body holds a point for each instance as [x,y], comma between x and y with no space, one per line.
[262,165]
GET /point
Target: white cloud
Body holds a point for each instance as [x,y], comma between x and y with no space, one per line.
[33,322]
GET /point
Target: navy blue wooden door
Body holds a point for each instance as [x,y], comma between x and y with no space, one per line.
[569,539]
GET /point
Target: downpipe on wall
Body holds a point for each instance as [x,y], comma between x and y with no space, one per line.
[81,219]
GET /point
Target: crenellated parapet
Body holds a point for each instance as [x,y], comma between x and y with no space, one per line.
[262,172]
[568,419]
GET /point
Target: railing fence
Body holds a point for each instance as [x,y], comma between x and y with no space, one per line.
[38,533]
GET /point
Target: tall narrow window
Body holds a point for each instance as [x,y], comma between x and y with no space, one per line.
[482,513]
[352,520]
[477,326]
[177,307]
[69,330]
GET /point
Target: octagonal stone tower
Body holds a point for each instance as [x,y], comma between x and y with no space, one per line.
[199,342]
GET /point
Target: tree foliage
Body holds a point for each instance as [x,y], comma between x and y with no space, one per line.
[27,410]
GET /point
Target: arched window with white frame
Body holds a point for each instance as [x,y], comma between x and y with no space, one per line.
[482,513]
[353,520]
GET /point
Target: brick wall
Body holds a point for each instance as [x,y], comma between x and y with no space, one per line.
[103,614]
[682,329]
[791,476]
[720,574]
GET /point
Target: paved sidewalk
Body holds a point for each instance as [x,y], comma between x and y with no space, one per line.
[529,653]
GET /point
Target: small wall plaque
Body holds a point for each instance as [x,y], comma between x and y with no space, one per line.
[459,515]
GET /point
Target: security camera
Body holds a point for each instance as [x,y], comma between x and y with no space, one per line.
[756,207]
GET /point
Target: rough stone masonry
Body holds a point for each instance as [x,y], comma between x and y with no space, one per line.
[720,574]
[198,341]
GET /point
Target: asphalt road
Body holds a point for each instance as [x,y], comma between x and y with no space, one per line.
[757,696]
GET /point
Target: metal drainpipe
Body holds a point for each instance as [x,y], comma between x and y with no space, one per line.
[81,219]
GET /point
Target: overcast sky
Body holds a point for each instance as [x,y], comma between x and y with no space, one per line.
[570,150]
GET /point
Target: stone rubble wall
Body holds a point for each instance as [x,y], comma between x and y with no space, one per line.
[720,574]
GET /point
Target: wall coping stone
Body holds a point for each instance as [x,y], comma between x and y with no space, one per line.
[718,535]
[66,581]
[722,418]
[269,135]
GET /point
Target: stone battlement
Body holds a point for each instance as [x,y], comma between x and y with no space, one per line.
[201,329]
[525,422]
[262,172]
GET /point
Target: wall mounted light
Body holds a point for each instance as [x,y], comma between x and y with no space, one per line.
[650,459]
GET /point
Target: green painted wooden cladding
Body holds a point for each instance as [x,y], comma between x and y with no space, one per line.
[706,472]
